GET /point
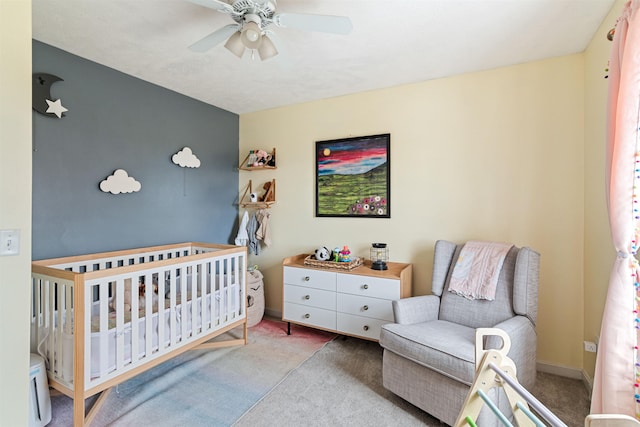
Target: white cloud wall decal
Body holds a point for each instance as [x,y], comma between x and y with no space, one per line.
[186,159]
[120,182]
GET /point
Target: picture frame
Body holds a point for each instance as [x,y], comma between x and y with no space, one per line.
[353,177]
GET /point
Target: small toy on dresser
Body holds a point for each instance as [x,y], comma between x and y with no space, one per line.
[345,255]
[338,259]
[322,254]
[337,255]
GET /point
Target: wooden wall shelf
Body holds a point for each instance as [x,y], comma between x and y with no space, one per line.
[245,163]
[268,197]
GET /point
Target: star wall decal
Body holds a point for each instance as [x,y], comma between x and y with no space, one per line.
[41,95]
[56,108]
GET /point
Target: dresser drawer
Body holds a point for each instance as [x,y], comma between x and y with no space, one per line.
[312,316]
[310,296]
[375,308]
[360,326]
[310,278]
[376,287]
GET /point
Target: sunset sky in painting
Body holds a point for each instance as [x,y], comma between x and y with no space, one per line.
[351,157]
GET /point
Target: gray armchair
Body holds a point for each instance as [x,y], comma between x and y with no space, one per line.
[429,354]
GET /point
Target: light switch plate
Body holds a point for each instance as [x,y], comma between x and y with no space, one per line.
[9,242]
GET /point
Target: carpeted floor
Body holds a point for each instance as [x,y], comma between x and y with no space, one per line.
[279,380]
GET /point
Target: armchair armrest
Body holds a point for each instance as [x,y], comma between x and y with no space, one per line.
[416,309]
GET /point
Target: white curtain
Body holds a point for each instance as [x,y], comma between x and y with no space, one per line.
[616,383]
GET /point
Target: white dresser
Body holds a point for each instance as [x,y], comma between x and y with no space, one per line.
[355,302]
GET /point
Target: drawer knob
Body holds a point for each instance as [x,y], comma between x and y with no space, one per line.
[365,286]
[307,278]
[306,316]
[365,327]
[365,307]
[307,297]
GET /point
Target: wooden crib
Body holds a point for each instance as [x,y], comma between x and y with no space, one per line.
[101,319]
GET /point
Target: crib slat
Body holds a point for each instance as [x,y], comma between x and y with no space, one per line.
[172,308]
[216,294]
[103,329]
[88,348]
[53,330]
[162,291]
[196,309]
[68,337]
[46,323]
[238,276]
[133,325]
[184,296]
[120,287]
[193,304]
[204,295]
[59,322]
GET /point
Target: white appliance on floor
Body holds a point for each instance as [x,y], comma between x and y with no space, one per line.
[39,399]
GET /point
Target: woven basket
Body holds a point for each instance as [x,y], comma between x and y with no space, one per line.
[255,298]
[350,265]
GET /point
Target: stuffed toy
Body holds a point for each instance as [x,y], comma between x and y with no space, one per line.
[323,254]
[141,296]
[126,297]
[262,158]
[142,293]
[267,197]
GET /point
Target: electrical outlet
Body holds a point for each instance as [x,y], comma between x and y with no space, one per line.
[591,347]
[9,242]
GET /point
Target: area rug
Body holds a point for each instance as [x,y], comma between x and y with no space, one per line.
[205,387]
[341,385]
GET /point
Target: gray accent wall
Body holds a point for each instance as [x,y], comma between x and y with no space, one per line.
[116,121]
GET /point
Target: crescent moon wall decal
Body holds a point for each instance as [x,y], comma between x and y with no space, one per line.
[41,92]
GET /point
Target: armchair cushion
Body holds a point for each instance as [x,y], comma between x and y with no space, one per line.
[445,347]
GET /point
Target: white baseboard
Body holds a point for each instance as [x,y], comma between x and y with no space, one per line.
[566,371]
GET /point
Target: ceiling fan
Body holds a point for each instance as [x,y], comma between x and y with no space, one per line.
[253,17]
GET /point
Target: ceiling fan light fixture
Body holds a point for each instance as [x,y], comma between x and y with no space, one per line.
[267,49]
[251,35]
[235,45]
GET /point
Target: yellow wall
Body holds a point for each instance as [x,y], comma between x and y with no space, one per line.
[492,155]
[15,207]
[599,251]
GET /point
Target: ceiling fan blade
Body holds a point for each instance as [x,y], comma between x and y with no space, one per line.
[214,4]
[214,38]
[320,23]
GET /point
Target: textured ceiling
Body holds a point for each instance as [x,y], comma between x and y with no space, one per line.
[393,42]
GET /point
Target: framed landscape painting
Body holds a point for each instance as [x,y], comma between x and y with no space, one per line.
[352,177]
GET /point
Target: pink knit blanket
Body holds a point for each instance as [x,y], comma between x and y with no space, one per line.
[475,275]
